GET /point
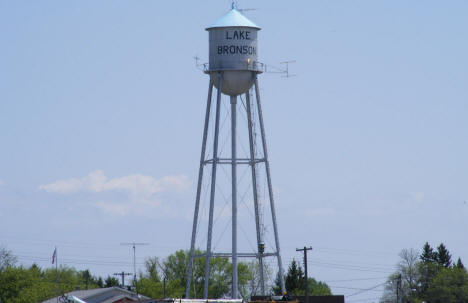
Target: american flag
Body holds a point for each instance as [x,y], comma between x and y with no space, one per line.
[54,255]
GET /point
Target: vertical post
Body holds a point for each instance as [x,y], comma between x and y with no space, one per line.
[56,273]
[398,289]
[213,187]
[134,270]
[305,249]
[134,244]
[255,192]
[270,187]
[234,196]
[199,185]
[122,275]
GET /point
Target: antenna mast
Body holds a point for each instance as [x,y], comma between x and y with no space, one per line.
[134,244]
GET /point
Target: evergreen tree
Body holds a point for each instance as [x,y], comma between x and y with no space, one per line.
[294,280]
[428,255]
[276,289]
[436,279]
[460,264]
[443,257]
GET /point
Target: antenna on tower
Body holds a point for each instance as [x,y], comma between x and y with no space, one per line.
[198,65]
[286,71]
[271,69]
[242,10]
[134,244]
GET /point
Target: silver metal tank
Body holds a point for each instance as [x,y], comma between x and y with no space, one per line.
[233,51]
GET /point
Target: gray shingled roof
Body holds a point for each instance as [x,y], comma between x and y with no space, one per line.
[99,295]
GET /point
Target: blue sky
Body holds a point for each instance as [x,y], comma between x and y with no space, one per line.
[101,112]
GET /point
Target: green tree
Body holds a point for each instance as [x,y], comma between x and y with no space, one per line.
[111,281]
[152,272]
[7,259]
[433,278]
[254,286]
[443,257]
[428,255]
[175,267]
[149,287]
[294,280]
[22,285]
[450,285]
[276,288]
[316,288]
[460,264]
[19,284]
[100,283]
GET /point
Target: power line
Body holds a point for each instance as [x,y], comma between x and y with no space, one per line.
[365,290]
[351,280]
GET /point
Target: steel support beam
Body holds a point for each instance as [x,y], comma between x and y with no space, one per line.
[255,192]
[213,188]
[199,185]
[234,195]
[270,187]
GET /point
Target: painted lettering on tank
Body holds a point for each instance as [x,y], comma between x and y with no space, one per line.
[236,49]
[238,35]
[231,49]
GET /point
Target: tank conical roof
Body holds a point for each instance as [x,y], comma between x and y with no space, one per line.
[233,18]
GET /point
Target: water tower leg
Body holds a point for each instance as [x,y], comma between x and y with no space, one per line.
[270,187]
[255,190]
[199,185]
[234,195]
[213,187]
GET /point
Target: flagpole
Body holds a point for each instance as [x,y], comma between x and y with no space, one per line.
[56,273]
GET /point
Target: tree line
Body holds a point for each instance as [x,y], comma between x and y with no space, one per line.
[430,276]
[160,277]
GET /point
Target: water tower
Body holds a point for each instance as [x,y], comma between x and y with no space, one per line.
[233,69]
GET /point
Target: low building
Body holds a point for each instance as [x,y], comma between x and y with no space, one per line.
[103,295]
[298,299]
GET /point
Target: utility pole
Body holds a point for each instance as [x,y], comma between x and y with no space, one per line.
[305,249]
[122,275]
[87,274]
[398,289]
[134,244]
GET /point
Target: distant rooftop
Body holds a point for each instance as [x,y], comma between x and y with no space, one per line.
[100,295]
[233,18]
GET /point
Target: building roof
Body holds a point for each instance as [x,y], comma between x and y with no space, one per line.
[119,299]
[99,295]
[233,18]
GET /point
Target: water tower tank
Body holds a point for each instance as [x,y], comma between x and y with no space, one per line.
[233,51]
